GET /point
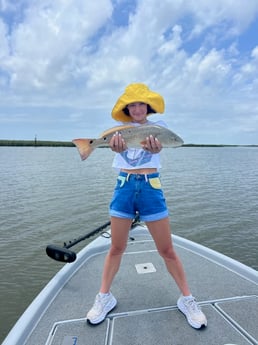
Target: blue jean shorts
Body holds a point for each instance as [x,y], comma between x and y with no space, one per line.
[137,193]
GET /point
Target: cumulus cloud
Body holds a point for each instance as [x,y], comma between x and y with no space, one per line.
[43,46]
[76,57]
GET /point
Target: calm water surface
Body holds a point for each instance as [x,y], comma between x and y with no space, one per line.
[47,195]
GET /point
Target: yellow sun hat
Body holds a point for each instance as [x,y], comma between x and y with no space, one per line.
[137,92]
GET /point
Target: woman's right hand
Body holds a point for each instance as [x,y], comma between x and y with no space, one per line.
[117,143]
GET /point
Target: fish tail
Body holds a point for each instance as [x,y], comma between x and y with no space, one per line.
[84,147]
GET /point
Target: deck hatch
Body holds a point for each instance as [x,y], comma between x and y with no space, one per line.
[145,268]
[78,332]
[169,327]
[243,313]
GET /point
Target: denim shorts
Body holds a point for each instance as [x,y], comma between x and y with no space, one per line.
[138,193]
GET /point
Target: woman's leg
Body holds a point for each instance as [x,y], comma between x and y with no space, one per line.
[119,235]
[161,234]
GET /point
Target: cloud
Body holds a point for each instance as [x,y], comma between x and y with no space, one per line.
[48,39]
[76,58]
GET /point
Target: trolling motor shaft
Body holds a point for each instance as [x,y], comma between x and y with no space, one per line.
[63,254]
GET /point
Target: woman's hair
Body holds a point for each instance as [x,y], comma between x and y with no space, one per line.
[150,110]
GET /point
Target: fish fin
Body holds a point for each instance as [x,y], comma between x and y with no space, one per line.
[115,129]
[84,147]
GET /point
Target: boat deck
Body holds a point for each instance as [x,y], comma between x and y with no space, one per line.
[146,312]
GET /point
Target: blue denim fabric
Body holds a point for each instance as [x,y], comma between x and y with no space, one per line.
[138,193]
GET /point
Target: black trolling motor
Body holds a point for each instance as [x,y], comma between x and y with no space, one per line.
[63,254]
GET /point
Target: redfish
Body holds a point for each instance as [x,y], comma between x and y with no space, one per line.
[134,136]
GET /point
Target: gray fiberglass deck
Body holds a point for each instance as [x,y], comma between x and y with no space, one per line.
[146,312]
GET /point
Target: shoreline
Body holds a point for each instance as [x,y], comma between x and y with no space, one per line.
[49,143]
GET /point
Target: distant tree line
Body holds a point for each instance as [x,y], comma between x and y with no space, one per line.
[36,143]
[70,144]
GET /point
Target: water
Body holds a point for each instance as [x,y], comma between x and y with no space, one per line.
[49,196]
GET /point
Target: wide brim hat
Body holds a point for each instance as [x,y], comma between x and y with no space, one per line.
[137,92]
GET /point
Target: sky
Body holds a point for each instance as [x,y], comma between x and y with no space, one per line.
[64,63]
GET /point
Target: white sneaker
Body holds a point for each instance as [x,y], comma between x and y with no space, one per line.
[193,313]
[102,306]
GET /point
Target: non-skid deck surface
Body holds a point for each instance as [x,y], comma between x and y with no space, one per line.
[146,312]
[162,327]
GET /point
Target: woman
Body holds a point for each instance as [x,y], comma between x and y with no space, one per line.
[139,190]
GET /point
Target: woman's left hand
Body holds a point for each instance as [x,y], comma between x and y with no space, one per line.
[152,145]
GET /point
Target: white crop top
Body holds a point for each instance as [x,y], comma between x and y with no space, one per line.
[135,158]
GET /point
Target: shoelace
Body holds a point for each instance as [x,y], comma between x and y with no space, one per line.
[192,305]
[97,303]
